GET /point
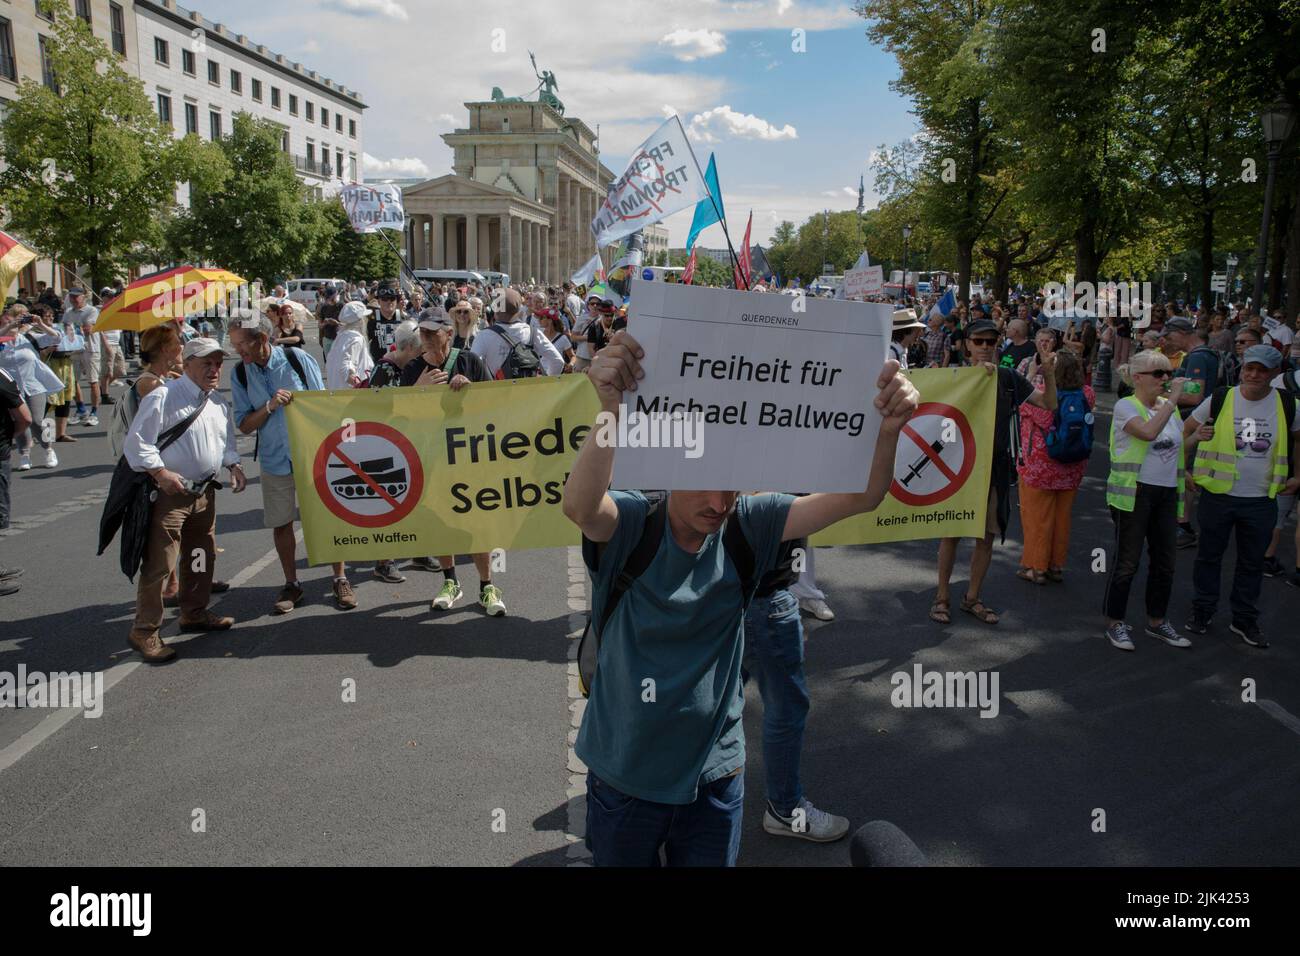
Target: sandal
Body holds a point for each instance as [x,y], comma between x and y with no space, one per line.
[1056,575]
[939,612]
[976,609]
[1034,577]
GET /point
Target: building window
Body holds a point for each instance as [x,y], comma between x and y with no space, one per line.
[311,155]
[165,108]
[8,66]
[191,119]
[325,117]
[43,13]
[214,125]
[352,128]
[236,82]
[284,141]
[47,67]
[310,111]
[338,122]
[257,90]
[187,62]
[275,97]
[293,105]
[214,72]
[352,168]
[160,51]
[118,19]
[83,10]
[338,163]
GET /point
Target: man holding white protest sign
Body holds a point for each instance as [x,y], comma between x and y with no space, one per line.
[662,735]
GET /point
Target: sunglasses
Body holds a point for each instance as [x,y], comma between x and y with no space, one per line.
[1158,373]
[1244,342]
[983,341]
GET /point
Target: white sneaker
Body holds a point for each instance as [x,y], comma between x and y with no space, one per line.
[24,463]
[806,823]
[817,608]
[91,421]
[47,431]
[51,459]
[490,598]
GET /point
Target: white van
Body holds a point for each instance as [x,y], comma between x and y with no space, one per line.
[307,291]
[458,276]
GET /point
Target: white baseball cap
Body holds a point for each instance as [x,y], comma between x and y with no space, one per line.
[353,312]
[198,348]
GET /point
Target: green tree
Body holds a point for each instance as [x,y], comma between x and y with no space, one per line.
[89,170]
[255,219]
[351,255]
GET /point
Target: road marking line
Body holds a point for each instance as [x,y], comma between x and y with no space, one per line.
[1280,714]
[61,717]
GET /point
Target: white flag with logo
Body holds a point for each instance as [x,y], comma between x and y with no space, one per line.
[661,178]
[593,267]
[371,208]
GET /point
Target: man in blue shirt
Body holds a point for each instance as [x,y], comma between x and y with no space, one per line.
[259,389]
[662,735]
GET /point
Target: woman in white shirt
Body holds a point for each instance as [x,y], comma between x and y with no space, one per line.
[349,363]
[1145,498]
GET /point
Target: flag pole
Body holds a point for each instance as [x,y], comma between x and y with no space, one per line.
[722,219]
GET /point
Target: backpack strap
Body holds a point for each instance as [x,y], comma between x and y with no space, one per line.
[1216,402]
[647,546]
[741,553]
[291,354]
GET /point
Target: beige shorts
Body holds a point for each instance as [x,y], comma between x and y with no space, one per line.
[113,363]
[279,500]
[88,365]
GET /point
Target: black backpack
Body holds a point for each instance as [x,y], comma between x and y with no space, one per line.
[734,542]
[521,362]
[241,373]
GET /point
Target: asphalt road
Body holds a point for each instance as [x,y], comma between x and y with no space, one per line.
[456,749]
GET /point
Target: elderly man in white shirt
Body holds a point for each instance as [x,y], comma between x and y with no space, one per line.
[184,513]
[494,347]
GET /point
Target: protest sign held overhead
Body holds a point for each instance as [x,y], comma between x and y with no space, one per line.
[661,178]
[862,282]
[371,208]
[782,397]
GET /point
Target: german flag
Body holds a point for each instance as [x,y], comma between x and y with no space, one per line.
[14,258]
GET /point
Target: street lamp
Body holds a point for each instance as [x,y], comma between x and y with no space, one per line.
[907,234]
[1278,120]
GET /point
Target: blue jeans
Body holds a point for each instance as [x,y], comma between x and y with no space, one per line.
[774,655]
[626,831]
[1219,516]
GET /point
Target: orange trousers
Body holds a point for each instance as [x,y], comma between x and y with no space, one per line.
[1045,520]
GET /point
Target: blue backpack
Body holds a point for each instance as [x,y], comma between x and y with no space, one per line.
[1070,439]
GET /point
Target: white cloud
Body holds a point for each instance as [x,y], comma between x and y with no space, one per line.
[398,168]
[447,119]
[722,121]
[389,9]
[688,45]
[311,46]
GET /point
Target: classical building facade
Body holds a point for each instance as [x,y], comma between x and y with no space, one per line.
[525,184]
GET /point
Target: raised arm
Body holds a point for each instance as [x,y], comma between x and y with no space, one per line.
[896,401]
[586,494]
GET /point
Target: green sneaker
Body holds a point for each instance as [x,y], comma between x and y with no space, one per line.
[447,597]
[490,598]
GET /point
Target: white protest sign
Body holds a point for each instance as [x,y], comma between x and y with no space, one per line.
[779,391]
[661,178]
[860,282]
[371,208]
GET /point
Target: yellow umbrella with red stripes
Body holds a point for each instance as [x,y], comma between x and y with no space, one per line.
[163,296]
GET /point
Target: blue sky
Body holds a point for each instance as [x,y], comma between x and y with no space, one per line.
[791,130]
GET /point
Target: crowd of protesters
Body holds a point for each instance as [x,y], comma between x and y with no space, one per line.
[667,782]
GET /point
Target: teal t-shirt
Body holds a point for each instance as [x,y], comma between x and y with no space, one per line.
[680,625]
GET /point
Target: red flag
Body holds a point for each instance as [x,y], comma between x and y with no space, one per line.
[743,275]
[689,273]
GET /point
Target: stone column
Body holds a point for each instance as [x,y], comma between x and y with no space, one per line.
[450,254]
[548,269]
[517,241]
[485,244]
[507,246]
[538,261]
[471,241]
[436,241]
[561,220]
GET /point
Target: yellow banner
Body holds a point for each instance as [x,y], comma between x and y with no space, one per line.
[942,468]
[406,472]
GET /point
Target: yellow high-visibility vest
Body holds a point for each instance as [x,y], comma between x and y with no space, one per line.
[1215,467]
[1121,486]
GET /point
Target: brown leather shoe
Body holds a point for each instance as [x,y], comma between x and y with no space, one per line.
[290,597]
[208,622]
[344,597]
[151,648]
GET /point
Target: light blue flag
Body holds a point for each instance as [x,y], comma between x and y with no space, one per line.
[706,212]
[947,302]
